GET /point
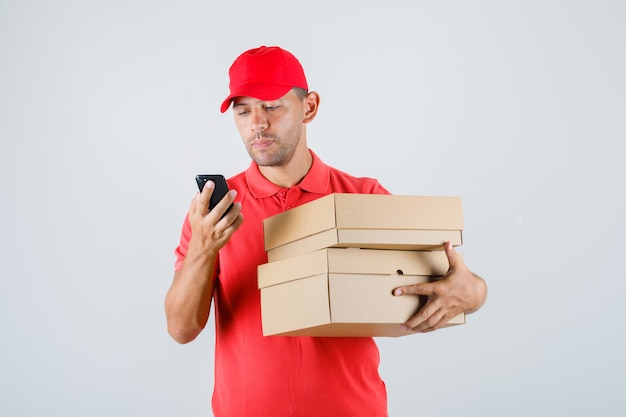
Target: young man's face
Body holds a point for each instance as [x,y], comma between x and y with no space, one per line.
[271,130]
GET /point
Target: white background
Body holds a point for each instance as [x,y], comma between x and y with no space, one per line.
[109,108]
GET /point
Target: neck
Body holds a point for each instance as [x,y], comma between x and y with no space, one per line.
[293,172]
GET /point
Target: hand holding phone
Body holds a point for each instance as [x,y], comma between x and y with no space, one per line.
[219,192]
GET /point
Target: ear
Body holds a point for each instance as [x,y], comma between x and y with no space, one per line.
[311,104]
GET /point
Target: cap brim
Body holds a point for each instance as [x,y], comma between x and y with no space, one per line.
[260,91]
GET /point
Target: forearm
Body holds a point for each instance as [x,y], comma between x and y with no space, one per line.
[188,301]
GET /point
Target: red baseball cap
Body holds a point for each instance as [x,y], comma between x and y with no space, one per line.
[265,73]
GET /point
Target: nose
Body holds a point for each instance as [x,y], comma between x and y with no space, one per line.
[258,120]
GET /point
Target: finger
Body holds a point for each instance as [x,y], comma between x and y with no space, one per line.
[203,198]
[228,225]
[436,322]
[427,289]
[224,204]
[193,205]
[237,219]
[429,318]
[453,257]
[233,215]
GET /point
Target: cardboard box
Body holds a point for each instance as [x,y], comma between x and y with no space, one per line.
[345,292]
[365,221]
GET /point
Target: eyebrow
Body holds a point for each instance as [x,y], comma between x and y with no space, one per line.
[278,101]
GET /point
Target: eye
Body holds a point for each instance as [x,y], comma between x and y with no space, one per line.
[271,106]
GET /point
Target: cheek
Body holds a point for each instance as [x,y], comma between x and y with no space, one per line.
[241,128]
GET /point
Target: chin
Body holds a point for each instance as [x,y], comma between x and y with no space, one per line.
[269,160]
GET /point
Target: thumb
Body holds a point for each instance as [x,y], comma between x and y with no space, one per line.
[453,257]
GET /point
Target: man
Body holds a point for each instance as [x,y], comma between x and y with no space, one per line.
[217,260]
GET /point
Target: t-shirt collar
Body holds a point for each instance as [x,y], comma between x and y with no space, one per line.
[315,181]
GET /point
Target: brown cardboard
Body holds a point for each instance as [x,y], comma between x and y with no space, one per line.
[365,221]
[345,292]
[425,240]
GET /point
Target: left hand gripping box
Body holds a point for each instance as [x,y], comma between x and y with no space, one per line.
[374,221]
[345,292]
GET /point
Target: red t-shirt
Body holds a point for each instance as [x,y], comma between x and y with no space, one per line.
[275,376]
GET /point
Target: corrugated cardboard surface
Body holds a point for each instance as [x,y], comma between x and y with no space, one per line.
[353,261]
[363,211]
[345,292]
[428,240]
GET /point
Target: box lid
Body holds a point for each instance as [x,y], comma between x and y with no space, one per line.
[363,211]
[353,261]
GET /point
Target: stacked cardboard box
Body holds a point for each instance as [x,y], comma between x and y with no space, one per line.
[333,263]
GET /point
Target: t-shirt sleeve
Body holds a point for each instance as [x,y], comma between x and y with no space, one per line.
[341,182]
[377,188]
[365,185]
[181,250]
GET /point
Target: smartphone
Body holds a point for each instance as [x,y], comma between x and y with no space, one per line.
[220,190]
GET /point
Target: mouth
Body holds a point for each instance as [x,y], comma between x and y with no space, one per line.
[262,142]
[259,144]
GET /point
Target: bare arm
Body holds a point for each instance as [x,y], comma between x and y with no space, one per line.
[188,301]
